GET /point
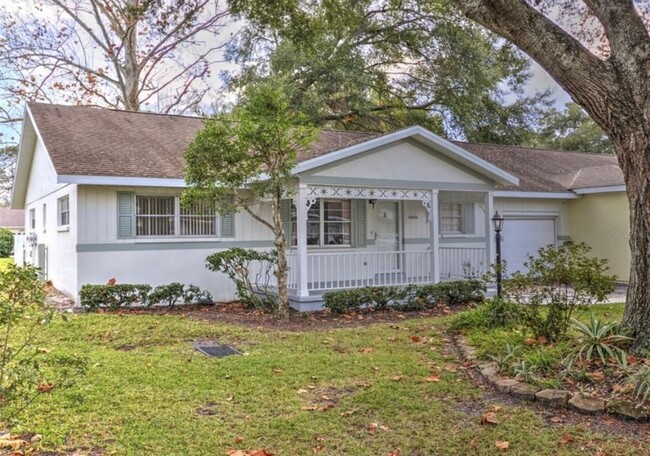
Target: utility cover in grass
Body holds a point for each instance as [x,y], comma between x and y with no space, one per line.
[215,351]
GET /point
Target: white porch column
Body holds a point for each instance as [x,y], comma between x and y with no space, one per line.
[490,243]
[301,241]
[435,238]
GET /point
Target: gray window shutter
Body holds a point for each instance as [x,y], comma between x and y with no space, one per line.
[227,225]
[125,215]
[285,214]
[360,223]
[468,218]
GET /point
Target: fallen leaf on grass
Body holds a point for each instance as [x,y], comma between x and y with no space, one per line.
[302,391]
[309,408]
[502,444]
[277,370]
[416,339]
[394,453]
[556,419]
[350,412]
[432,378]
[367,350]
[261,452]
[13,442]
[566,438]
[239,439]
[45,387]
[396,378]
[489,418]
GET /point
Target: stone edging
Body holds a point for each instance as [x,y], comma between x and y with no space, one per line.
[552,398]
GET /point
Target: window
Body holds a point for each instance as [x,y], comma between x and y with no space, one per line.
[155,215]
[64,211]
[457,218]
[160,216]
[32,219]
[329,223]
[198,220]
[44,217]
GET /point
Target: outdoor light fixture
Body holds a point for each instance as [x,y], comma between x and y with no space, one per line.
[372,202]
[497,221]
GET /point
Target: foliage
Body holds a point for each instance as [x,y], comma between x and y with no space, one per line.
[409,298]
[380,66]
[525,371]
[8,154]
[505,358]
[175,293]
[494,313]
[237,263]
[238,165]
[571,129]
[560,280]
[113,297]
[598,338]
[6,243]
[639,380]
[26,369]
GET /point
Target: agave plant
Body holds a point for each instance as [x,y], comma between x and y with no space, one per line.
[640,382]
[599,338]
[525,371]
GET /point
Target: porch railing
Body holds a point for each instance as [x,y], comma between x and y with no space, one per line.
[462,262]
[340,270]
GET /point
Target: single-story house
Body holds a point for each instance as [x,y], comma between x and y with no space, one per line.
[12,219]
[101,189]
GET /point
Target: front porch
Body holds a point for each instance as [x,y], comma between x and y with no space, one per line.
[354,237]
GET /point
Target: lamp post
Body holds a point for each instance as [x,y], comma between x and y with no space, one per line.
[497,221]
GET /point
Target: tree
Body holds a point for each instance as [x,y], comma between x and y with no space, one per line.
[6,243]
[7,167]
[603,65]
[571,129]
[382,65]
[237,162]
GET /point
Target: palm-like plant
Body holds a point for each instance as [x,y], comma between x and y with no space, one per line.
[599,338]
[504,359]
[640,381]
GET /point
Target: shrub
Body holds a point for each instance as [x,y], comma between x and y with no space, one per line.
[6,243]
[493,313]
[599,339]
[113,297]
[26,369]
[639,381]
[175,293]
[505,358]
[409,298]
[561,280]
[237,263]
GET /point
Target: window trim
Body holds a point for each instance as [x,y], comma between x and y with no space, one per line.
[59,217]
[321,226]
[463,220]
[44,215]
[32,218]
[177,219]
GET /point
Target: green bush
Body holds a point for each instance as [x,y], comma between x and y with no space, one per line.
[560,280]
[6,243]
[113,297]
[409,298]
[124,295]
[493,313]
[26,367]
[175,293]
[236,263]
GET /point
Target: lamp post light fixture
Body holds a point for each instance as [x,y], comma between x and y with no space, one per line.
[497,221]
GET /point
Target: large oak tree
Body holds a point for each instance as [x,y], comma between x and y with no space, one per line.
[599,52]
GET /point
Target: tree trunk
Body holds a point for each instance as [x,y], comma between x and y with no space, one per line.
[281,249]
[637,178]
[130,69]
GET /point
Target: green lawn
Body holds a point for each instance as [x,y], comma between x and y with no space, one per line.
[145,400]
[4,262]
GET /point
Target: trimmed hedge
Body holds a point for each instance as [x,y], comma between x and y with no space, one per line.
[124,295]
[409,298]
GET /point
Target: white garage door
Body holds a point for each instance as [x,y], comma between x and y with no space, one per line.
[523,238]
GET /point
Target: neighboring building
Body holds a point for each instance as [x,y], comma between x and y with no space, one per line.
[101,192]
[12,219]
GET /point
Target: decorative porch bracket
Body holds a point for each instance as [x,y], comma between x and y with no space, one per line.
[314,192]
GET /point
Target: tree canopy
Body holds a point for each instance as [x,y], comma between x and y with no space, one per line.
[384,65]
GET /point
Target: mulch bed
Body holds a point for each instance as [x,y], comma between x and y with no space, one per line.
[238,314]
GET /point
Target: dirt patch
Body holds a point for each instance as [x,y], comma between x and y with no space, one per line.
[238,314]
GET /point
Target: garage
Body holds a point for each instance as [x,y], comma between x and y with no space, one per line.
[523,237]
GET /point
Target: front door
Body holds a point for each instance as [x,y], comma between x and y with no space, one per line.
[386,226]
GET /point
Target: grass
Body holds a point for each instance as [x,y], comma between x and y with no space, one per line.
[4,262]
[145,400]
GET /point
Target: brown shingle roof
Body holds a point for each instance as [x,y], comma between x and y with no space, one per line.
[12,218]
[107,142]
[543,170]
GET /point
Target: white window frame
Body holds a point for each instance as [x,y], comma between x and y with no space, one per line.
[320,202]
[462,220]
[44,217]
[61,212]
[177,220]
[32,218]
